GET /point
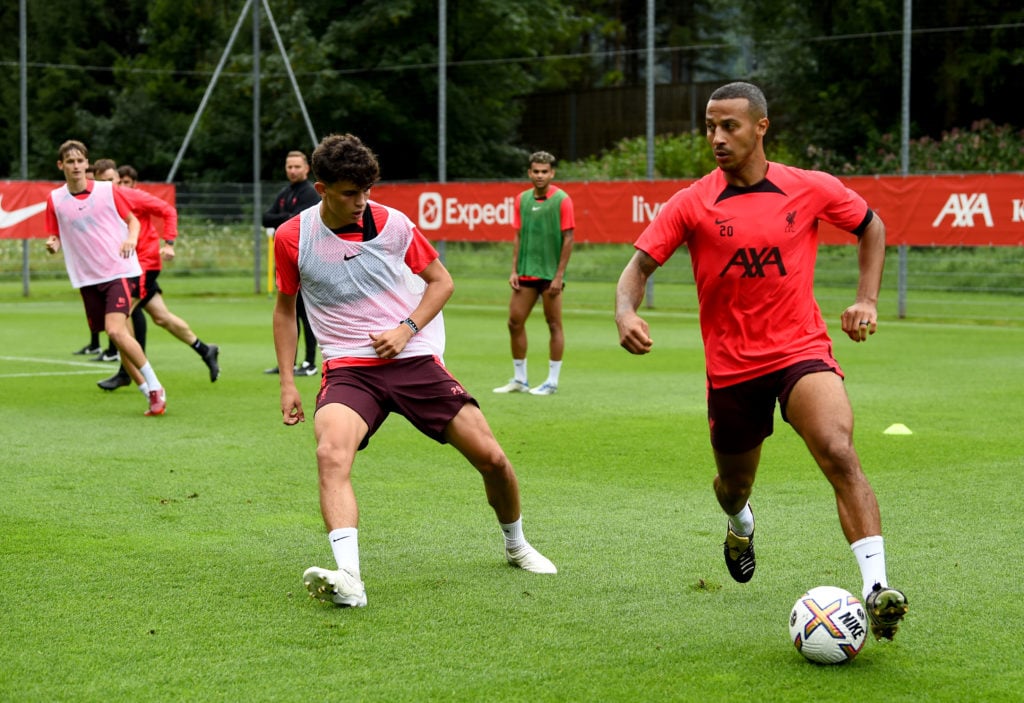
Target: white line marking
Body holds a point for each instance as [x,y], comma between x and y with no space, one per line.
[97,365]
[94,367]
[46,375]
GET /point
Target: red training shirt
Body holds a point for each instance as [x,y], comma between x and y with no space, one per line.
[753,252]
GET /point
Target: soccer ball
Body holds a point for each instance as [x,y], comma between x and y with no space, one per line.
[828,625]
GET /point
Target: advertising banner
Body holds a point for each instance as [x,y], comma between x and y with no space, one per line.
[970,210]
[22,204]
[977,210]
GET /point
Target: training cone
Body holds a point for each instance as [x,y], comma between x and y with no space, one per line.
[898,428]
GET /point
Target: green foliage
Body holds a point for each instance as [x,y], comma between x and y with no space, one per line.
[129,81]
[675,156]
[984,147]
[128,77]
[833,71]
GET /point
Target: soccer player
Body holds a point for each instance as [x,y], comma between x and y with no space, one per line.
[146,206]
[374,290]
[751,230]
[544,222]
[94,225]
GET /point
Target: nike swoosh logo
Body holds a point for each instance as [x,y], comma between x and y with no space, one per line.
[536,209]
[341,538]
[722,222]
[347,257]
[9,218]
[868,556]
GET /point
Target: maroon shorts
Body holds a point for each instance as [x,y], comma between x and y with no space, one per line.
[103,298]
[742,416]
[419,388]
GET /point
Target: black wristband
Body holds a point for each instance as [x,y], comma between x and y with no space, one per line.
[412,325]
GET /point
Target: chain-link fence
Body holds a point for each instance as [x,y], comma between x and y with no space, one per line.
[218,238]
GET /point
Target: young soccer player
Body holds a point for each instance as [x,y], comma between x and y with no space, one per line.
[374,289]
[98,234]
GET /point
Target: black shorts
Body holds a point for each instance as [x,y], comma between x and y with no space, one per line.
[110,296]
[419,388]
[742,416]
[541,284]
[149,287]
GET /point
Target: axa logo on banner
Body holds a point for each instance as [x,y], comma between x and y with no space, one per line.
[436,211]
[963,207]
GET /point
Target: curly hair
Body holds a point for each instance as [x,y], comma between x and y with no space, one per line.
[344,157]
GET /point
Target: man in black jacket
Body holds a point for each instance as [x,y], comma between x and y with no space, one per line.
[298,195]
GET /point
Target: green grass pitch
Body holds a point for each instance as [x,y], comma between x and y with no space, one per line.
[157,559]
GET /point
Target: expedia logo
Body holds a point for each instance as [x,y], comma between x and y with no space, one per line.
[435,211]
[431,211]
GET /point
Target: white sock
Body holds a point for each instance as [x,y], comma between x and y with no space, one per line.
[519,369]
[554,368]
[345,545]
[150,375]
[513,532]
[870,553]
[144,387]
[742,523]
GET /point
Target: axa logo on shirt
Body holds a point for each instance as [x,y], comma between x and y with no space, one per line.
[436,211]
[963,207]
[750,262]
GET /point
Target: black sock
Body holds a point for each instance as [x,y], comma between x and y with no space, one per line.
[201,349]
[139,326]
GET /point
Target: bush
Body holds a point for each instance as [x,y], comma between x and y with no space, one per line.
[983,148]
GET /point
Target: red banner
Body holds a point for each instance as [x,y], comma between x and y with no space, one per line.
[917,210]
[22,204]
[977,210]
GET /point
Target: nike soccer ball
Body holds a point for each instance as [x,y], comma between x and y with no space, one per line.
[828,625]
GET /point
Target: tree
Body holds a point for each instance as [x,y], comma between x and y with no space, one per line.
[127,76]
[834,69]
